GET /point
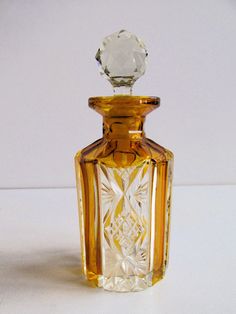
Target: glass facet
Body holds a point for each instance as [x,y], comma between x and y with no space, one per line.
[122,58]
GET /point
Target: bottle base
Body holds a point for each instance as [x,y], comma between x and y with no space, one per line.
[126,284]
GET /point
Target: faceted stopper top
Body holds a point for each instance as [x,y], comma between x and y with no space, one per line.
[122,58]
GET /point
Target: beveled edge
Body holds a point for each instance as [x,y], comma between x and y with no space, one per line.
[124,105]
[124,99]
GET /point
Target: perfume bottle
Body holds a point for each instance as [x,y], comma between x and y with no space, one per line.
[124,180]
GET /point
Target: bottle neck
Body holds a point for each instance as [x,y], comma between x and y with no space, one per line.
[123,127]
[123,115]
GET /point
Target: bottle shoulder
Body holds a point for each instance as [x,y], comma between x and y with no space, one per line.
[159,152]
[117,153]
[88,151]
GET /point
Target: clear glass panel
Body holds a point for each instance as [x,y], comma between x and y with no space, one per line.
[125,213]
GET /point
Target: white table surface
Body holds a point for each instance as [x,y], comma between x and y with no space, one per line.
[40,257]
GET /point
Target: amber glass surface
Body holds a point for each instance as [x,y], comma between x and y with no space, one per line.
[124,192]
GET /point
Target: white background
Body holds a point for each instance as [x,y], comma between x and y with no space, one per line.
[48,70]
[47,73]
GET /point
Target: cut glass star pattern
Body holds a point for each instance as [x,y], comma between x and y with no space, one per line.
[125,194]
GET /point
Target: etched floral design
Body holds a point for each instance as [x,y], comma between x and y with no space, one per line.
[133,264]
[124,205]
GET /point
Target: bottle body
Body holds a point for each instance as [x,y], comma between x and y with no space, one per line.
[124,191]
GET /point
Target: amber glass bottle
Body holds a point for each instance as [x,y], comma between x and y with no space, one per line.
[124,192]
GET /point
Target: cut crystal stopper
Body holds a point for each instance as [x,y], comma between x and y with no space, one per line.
[122,58]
